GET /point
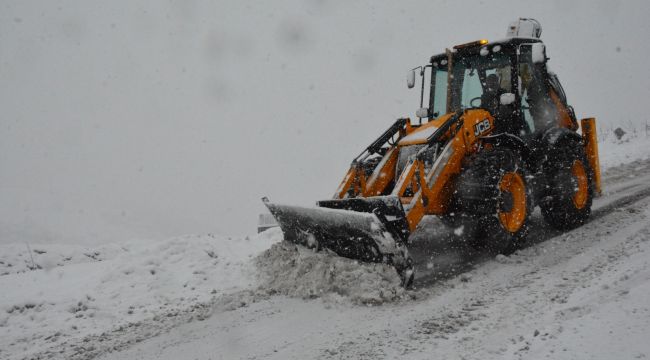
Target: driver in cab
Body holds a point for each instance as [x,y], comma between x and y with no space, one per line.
[504,119]
[491,98]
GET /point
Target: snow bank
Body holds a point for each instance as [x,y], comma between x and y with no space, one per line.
[294,270]
[77,292]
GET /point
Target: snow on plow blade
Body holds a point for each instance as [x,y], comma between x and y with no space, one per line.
[366,229]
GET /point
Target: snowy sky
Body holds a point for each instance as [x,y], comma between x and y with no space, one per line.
[151,118]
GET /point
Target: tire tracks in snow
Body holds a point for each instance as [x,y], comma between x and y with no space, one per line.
[547,295]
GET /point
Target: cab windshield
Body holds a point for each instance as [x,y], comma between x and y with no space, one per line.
[476,81]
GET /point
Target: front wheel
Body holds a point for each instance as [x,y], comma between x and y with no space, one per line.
[493,189]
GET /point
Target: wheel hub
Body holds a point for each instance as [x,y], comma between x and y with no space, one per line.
[507,202]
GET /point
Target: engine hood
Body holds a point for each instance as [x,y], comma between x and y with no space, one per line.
[420,134]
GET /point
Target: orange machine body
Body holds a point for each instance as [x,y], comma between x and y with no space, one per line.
[423,188]
[426,188]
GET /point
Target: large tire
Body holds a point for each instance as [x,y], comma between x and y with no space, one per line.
[493,190]
[569,188]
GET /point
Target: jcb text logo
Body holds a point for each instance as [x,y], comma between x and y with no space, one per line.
[481,127]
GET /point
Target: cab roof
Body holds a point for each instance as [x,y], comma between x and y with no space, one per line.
[506,44]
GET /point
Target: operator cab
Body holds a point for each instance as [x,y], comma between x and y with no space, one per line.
[508,78]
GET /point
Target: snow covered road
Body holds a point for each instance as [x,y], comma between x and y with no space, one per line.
[577,295]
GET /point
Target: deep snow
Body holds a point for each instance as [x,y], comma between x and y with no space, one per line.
[576,295]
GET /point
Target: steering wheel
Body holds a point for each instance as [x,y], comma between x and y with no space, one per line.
[471,102]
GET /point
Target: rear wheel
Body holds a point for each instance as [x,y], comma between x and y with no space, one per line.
[569,187]
[492,189]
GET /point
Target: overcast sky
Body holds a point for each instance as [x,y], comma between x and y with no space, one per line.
[128,119]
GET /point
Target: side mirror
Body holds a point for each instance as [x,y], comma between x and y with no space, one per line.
[507,99]
[422,112]
[538,52]
[410,79]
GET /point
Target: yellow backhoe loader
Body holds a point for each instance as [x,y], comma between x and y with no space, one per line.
[496,139]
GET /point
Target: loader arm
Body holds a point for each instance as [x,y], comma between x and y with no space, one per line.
[433,185]
[356,182]
[429,176]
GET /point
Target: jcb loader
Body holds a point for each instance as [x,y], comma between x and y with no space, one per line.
[496,139]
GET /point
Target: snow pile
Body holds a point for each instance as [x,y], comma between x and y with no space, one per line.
[297,271]
[76,292]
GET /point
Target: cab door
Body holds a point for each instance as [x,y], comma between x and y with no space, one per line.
[538,110]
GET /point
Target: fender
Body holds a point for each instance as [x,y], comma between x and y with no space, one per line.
[510,141]
[557,135]
[543,144]
[550,140]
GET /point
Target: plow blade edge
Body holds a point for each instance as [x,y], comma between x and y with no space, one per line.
[366,229]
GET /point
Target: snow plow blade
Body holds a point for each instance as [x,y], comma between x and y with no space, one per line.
[366,229]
